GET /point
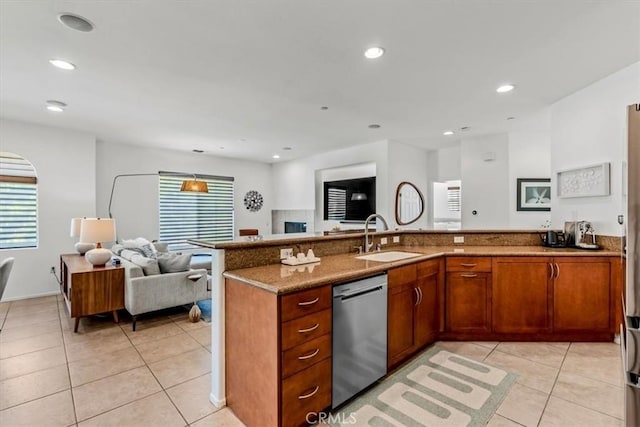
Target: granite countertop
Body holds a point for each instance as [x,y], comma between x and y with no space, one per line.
[283,279]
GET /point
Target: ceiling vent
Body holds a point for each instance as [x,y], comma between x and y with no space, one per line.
[75,22]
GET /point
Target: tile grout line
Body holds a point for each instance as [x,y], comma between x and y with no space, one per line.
[66,358]
[555,381]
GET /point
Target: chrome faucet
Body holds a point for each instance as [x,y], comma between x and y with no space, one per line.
[367,245]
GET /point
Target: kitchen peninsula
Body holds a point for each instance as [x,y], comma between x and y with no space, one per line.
[499,285]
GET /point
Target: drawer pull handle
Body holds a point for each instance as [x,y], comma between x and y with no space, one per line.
[468,265]
[551,274]
[302,304]
[306,396]
[309,356]
[313,328]
[557,270]
[469,275]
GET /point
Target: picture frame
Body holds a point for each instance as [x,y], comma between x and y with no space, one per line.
[533,194]
[587,181]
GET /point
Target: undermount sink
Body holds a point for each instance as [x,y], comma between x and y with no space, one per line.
[388,256]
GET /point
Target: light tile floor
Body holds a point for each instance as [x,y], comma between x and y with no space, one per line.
[160,375]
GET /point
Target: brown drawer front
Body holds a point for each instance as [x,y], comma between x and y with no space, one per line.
[401,275]
[305,328]
[469,263]
[307,391]
[306,302]
[306,354]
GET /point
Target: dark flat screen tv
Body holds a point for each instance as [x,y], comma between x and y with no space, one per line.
[350,199]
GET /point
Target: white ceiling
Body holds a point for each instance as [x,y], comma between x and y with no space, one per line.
[251,76]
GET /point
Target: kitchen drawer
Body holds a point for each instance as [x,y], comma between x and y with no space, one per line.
[305,302]
[306,354]
[468,263]
[297,331]
[307,391]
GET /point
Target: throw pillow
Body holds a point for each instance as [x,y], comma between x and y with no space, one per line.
[117,248]
[149,266]
[173,263]
[128,254]
[161,246]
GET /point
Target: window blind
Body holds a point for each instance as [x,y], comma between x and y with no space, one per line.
[201,216]
[336,203]
[18,203]
[453,199]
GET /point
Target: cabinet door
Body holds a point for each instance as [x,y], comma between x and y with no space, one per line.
[581,291]
[427,314]
[468,302]
[522,297]
[400,333]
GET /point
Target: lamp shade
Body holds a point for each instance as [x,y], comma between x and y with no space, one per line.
[194,186]
[97,230]
[75,227]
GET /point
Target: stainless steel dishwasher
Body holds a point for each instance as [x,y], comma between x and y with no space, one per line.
[359,336]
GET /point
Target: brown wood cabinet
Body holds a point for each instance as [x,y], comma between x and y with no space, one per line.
[413,304]
[555,296]
[522,295]
[88,289]
[582,295]
[278,354]
[468,295]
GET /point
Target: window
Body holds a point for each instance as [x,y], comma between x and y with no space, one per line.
[336,203]
[18,202]
[453,199]
[203,216]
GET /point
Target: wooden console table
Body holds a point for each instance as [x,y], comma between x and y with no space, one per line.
[90,290]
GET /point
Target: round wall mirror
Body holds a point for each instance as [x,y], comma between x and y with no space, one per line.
[409,203]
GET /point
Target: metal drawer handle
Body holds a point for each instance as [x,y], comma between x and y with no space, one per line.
[468,265]
[469,275]
[557,270]
[306,396]
[313,328]
[551,271]
[309,302]
[309,356]
[420,292]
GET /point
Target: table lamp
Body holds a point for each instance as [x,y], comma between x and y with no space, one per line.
[98,230]
[80,246]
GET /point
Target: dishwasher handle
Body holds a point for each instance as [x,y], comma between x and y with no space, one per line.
[358,292]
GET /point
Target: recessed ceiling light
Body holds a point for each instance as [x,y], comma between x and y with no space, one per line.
[61,63]
[505,88]
[75,22]
[275,156]
[56,106]
[448,132]
[374,52]
[374,126]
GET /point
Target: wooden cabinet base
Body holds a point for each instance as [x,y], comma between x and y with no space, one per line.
[551,337]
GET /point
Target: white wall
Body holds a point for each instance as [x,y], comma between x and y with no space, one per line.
[65,163]
[295,184]
[485,184]
[529,157]
[135,202]
[587,128]
[407,163]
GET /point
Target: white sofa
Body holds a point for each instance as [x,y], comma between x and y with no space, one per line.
[147,293]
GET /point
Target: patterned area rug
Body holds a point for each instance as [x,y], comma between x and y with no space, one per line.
[438,388]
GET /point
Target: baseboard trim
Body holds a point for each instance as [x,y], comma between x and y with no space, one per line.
[219,403]
[44,294]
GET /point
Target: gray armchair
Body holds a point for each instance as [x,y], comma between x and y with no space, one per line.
[5,270]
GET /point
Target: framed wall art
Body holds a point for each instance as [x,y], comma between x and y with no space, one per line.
[587,181]
[534,194]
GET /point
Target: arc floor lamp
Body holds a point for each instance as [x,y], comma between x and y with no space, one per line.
[189,185]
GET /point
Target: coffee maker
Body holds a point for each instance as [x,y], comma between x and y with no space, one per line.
[580,234]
